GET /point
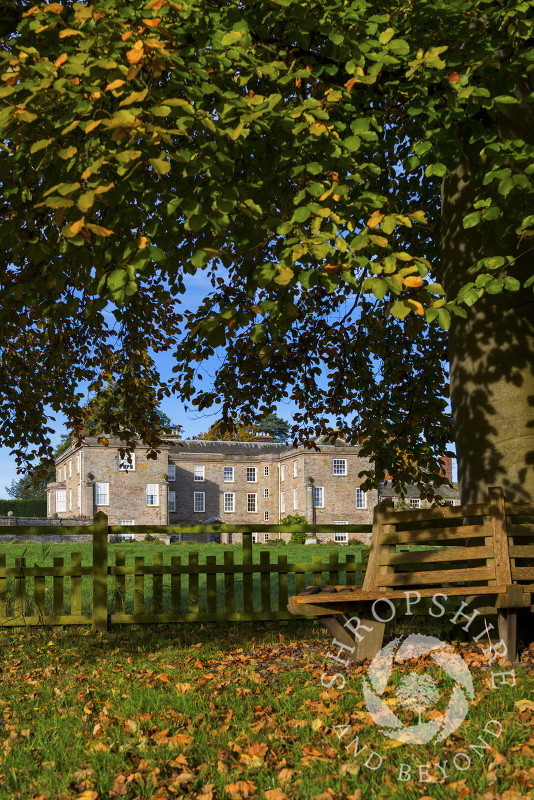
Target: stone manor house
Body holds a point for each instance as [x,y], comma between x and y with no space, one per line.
[200,482]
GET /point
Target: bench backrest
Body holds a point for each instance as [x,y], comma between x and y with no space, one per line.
[520,529]
[474,554]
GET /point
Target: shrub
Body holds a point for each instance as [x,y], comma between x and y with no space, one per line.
[274,543]
[23,508]
[297,537]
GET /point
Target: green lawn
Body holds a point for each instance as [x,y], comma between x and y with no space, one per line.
[232,711]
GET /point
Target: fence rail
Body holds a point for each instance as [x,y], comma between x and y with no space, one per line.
[210,592]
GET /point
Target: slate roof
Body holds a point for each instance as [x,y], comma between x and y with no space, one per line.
[198,446]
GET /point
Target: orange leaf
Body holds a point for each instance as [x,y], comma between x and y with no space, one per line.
[157,4]
[136,53]
[275,794]
[331,267]
[298,82]
[350,83]
[142,242]
[152,23]
[413,281]
[75,81]
[55,8]
[416,306]
[92,125]
[114,85]
[126,36]
[68,32]
[78,225]
[453,77]
[98,16]
[61,60]
[100,231]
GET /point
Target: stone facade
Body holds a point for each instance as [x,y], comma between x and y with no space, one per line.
[201,482]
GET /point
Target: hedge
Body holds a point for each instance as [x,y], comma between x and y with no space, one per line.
[23,508]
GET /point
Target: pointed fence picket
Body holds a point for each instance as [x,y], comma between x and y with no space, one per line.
[194,592]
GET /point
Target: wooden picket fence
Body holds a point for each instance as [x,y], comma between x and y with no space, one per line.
[109,581]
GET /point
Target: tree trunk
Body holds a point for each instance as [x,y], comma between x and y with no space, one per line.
[491,355]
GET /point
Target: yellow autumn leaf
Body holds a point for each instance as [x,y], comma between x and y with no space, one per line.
[104,440]
[524,705]
[60,60]
[316,724]
[416,306]
[375,219]
[317,128]
[68,32]
[142,242]
[413,281]
[114,85]
[100,231]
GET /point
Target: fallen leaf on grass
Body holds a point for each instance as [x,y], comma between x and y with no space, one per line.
[275,794]
[240,789]
[525,705]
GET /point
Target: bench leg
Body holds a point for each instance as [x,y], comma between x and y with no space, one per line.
[508,631]
[371,642]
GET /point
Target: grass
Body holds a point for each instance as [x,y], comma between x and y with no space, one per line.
[43,555]
[231,711]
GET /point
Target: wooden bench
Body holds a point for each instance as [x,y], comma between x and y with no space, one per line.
[485,555]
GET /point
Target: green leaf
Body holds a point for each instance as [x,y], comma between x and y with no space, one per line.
[444,318]
[86,201]
[284,276]
[160,165]
[494,286]
[471,220]
[231,38]
[400,309]
[315,189]
[199,258]
[301,214]
[40,145]
[386,35]
[352,143]
[512,284]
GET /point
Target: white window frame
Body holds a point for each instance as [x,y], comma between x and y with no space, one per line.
[232,503]
[171,472]
[150,493]
[199,473]
[61,500]
[318,493]
[70,499]
[266,535]
[123,537]
[339,536]
[48,502]
[295,499]
[266,472]
[101,493]
[266,495]
[229,470]
[282,472]
[252,499]
[172,500]
[70,468]
[282,502]
[124,466]
[79,462]
[80,499]
[337,464]
[266,519]
[254,538]
[201,497]
[295,469]
[361,499]
[415,502]
[251,470]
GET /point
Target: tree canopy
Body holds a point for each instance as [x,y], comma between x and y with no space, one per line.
[240,431]
[351,178]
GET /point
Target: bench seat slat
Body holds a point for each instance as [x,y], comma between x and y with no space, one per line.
[521,530]
[393,594]
[436,556]
[522,551]
[408,579]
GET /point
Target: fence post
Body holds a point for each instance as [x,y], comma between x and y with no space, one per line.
[99,530]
